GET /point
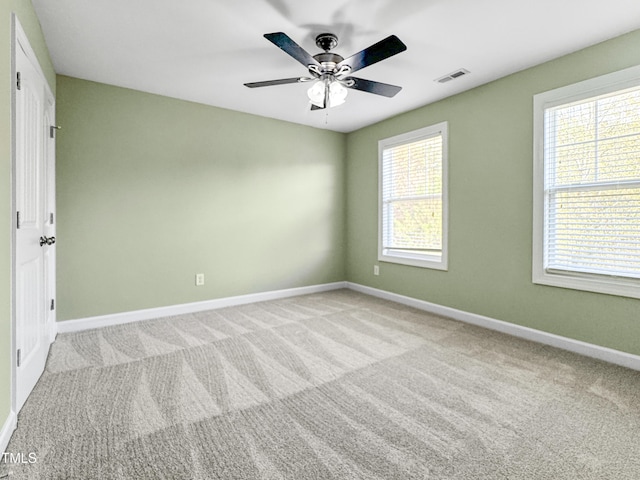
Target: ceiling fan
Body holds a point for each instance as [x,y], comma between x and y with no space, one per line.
[331,73]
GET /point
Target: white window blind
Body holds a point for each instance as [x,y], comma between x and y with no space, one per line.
[412,210]
[592,186]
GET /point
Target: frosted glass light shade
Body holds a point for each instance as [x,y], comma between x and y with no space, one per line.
[316,94]
[337,94]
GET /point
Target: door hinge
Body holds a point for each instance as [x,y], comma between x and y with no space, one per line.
[19,81]
[52,130]
[18,359]
[51,218]
[17,219]
[53,304]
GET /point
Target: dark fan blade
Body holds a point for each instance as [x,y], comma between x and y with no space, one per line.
[315,107]
[370,86]
[283,41]
[386,48]
[268,83]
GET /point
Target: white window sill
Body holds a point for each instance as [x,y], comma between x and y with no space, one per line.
[624,287]
[436,262]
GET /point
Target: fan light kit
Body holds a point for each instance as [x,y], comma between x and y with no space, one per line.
[335,90]
[331,73]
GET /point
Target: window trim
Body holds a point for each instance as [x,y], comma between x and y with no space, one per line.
[437,262]
[612,82]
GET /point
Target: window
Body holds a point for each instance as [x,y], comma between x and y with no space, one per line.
[587,185]
[412,210]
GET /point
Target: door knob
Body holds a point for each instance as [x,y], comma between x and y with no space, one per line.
[47,240]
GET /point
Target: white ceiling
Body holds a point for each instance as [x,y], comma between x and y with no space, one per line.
[204,50]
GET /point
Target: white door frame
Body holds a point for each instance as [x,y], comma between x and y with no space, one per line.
[19,39]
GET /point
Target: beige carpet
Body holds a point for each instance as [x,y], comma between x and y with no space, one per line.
[336,385]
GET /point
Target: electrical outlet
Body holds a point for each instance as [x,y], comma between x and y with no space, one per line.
[199,279]
[376,270]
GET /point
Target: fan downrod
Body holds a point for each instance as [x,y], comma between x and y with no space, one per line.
[327,41]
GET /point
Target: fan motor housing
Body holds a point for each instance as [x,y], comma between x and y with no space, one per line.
[328,58]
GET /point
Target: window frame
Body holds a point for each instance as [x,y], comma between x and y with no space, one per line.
[437,262]
[591,282]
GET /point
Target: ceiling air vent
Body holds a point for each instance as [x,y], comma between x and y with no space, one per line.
[452,76]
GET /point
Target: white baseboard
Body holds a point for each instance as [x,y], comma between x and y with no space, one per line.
[151,313]
[587,349]
[7,430]
[53,331]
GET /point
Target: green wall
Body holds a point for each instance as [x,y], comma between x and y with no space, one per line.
[490,207]
[30,23]
[152,190]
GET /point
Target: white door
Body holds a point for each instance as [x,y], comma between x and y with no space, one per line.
[49,215]
[35,257]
